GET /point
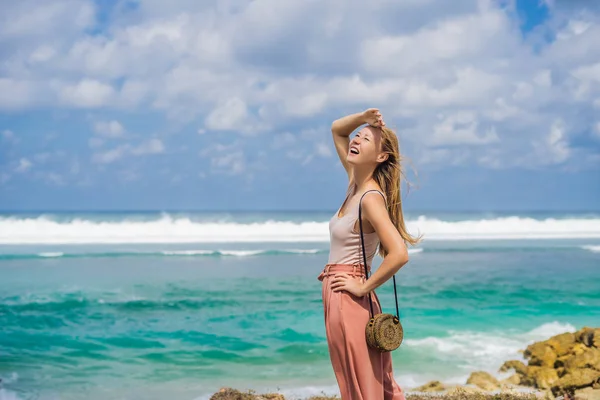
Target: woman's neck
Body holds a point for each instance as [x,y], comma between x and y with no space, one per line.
[362,179]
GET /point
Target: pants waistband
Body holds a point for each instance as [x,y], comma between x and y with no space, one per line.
[350,268]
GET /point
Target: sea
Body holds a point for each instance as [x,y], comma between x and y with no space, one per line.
[176,305]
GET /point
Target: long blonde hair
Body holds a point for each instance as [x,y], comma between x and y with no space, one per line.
[388,175]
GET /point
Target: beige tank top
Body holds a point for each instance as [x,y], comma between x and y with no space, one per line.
[345,246]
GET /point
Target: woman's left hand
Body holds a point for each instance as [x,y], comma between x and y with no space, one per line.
[348,283]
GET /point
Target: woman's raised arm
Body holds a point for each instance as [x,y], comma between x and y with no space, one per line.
[342,128]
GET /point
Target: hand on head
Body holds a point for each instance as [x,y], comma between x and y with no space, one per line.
[373,117]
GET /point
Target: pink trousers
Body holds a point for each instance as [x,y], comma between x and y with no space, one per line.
[362,373]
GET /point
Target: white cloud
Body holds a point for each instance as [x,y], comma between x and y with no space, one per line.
[558,146]
[229,115]
[231,163]
[15,93]
[462,128]
[227,159]
[291,146]
[110,156]
[88,93]
[233,115]
[23,165]
[255,67]
[553,147]
[323,149]
[148,147]
[151,146]
[463,38]
[30,18]
[8,135]
[42,54]
[543,78]
[109,129]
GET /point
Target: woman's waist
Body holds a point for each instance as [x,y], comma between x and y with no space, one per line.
[350,269]
[350,258]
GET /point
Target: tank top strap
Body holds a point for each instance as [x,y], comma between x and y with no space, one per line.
[372,190]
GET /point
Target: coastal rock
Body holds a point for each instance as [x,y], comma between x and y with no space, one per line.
[588,359]
[586,336]
[560,365]
[540,354]
[528,379]
[458,391]
[544,377]
[517,365]
[233,394]
[579,348]
[562,344]
[587,394]
[514,379]
[483,380]
[578,379]
[433,386]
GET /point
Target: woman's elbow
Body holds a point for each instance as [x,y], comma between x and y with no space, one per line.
[400,258]
[403,260]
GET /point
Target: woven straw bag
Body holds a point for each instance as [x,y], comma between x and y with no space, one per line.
[384,331]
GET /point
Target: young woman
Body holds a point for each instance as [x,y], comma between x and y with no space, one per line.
[372,161]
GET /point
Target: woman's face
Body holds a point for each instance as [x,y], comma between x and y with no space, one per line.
[365,147]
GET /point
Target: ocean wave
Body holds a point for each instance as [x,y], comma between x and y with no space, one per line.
[51,254]
[593,249]
[479,350]
[171,253]
[164,253]
[56,304]
[6,394]
[278,252]
[169,229]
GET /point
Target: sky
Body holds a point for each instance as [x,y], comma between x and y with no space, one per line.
[227,104]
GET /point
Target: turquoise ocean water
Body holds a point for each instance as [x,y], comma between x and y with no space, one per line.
[177,305]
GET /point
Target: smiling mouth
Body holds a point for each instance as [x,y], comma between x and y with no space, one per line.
[354,150]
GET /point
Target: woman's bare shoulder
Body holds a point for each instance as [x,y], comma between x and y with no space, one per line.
[373,189]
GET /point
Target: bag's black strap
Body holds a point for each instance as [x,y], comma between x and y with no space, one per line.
[364,253]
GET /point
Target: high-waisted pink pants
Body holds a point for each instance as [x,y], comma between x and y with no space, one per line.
[362,373]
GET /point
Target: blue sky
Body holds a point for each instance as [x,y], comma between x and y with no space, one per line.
[226,105]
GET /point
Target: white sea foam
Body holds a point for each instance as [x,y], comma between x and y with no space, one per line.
[168,253]
[168,229]
[593,249]
[8,395]
[240,253]
[236,253]
[303,251]
[480,350]
[51,254]
[415,251]
[186,252]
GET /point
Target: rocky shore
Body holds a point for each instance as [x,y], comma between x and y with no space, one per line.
[566,366]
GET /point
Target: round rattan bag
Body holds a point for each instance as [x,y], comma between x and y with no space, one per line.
[384,332]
